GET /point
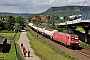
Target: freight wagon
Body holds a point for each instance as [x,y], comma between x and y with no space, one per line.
[41,29]
[49,32]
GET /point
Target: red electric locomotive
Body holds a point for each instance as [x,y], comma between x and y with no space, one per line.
[68,39]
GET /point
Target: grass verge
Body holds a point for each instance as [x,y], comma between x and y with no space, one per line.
[46,51]
[7,34]
[84,45]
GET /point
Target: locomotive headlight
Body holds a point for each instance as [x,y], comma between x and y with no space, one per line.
[76,38]
[72,42]
[76,42]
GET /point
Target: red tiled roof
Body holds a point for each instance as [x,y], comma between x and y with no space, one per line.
[34,18]
[5,19]
[43,18]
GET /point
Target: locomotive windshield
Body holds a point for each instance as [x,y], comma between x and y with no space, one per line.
[74,38]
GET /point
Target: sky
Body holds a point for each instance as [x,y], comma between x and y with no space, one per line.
[37,6]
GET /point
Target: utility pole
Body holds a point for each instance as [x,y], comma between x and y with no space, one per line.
[27,12]
[66,21]
[82,7]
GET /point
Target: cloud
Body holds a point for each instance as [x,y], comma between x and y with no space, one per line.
[9,9]
[36,5]
[69,2]
[40,2]
[14,2]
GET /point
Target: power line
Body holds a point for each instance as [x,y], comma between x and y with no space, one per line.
[82,6]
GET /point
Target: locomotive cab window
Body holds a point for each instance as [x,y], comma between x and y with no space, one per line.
[74,38]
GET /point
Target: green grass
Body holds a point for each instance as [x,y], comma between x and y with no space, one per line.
[19,51]
[7,34]
[80,29]
[46,51]
[17,36]
[84,44]
[11,55]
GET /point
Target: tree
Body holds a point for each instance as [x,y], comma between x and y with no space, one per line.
[1,25]
[56,17]
[16,27]
[29,19]
[66,18]
[20,20]
[6,24]
[11,22]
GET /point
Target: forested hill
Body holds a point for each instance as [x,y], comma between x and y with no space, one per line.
[87,8]
[66,10]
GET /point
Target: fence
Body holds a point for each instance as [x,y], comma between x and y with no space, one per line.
[17,54]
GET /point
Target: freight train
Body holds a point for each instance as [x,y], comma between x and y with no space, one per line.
[69,40]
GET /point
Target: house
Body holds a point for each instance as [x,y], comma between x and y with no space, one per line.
[5,19]
[34,18]
[3,42]
[43,18]
[1,18]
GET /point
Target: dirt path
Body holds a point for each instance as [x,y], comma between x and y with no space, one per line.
[23,39]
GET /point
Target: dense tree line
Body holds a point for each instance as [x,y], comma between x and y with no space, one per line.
[12,24]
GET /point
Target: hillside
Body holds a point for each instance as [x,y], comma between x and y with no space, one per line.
[66,10]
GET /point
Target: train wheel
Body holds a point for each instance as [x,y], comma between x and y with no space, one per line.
[62,44]
[67,46]
[52,39]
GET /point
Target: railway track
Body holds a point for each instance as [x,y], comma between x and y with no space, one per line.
[84,51]
[82,54]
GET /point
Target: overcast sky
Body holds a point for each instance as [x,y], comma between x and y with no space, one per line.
[36,6]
